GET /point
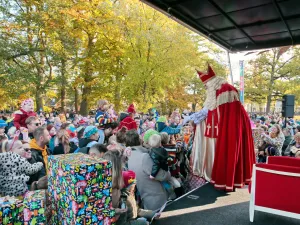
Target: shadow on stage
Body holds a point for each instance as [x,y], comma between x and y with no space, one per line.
[207,206]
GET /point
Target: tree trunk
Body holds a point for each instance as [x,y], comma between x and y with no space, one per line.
[63,85]
[39,99]
[271,84]
[88,77]
[269,97]
[194,107]
[76,99]
[117,94]
[144,92]
[84,102]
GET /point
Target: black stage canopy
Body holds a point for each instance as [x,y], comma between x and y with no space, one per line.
[238,25]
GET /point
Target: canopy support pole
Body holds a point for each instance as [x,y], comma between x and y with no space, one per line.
[230,69]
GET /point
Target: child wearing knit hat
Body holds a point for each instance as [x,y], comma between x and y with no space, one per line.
[134,211]
[160,156]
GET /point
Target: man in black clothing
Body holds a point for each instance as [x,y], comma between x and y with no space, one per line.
[39,151]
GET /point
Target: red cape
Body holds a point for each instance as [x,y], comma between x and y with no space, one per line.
[129,123]
[234,156]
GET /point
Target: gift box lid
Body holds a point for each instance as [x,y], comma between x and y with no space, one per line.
[9,200]
[35,195]
[77,159]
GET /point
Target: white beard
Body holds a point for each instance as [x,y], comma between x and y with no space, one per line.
[212,86]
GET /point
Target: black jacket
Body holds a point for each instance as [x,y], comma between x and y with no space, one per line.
[286,143]
[84,150]
[83,142]
[160,160]
[36,156]
[288,151]
[73,147]
[59,149]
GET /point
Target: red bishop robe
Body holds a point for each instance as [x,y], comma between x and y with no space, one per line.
[234,154]
[129,123]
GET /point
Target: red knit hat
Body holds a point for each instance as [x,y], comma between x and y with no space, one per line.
[205,77]
[131,109]
[128,177]
[71,131]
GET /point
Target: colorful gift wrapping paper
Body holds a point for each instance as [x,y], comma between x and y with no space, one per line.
[11,211]
[34,207]
[80,189]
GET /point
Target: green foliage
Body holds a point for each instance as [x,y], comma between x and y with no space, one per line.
[272,74]
[123,51]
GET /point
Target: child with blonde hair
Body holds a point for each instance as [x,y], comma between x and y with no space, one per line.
[160,156]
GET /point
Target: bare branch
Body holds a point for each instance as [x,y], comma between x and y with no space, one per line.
[29,52]
[281,76]
[19,6]
[285,63]
[148,52]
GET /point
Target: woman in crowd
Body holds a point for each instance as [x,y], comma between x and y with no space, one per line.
[15,169]
[115,157]
[294,148]
[151,191]
[121,136]
[275,139]
[63,146]
[287,139]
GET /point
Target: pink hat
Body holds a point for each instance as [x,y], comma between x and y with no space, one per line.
[27,102]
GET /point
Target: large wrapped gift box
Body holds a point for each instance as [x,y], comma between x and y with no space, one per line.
[26,210]
[35,207]
[11,211]
[80,188]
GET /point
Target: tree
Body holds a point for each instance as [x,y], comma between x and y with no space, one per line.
[268,70]
[123,51]
[24,45]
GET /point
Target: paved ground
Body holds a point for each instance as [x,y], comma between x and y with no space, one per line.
[207,206]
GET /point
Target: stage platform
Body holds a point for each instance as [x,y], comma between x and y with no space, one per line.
[207,206]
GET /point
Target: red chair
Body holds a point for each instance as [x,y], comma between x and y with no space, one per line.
[275,187]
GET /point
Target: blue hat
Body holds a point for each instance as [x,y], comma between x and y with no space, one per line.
[89,131]
[2,124]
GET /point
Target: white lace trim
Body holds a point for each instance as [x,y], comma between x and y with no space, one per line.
[19,112]
[227,97]
[212,86]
